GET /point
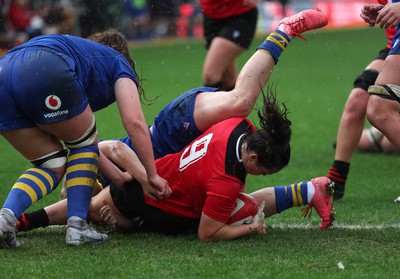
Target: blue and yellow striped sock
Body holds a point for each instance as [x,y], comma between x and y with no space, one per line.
[275,43]
[32,185]
[82,167]
[297,194]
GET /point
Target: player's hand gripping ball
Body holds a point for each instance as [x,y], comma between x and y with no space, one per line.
[245,209]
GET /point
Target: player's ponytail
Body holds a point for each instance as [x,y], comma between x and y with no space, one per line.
[272,141]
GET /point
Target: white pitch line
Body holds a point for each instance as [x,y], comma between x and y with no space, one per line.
[337,226]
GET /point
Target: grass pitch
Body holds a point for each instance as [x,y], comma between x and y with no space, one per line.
[313,78]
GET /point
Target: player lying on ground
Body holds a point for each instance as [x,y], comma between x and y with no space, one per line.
[241,100]
[206,178]
[195,111]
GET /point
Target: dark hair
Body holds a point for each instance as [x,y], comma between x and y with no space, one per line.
[113,38]
[272,141]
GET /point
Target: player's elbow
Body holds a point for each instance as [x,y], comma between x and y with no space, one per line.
[207,235]
[203,237]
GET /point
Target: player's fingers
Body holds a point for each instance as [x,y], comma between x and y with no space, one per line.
[103,210]
[165,193]
[107,219]
[392,22]
[110,219]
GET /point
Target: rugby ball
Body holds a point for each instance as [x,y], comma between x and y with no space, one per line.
[245,209]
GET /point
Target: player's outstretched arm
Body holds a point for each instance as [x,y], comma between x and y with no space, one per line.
[213,230]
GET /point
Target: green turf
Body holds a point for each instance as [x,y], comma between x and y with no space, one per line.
[314,79]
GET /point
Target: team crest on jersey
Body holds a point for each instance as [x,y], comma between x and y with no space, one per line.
[53,102]
[186,125]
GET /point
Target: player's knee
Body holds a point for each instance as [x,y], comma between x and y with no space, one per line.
[87,139]
[356,105]
[366,79]
[55,161]
[52,160]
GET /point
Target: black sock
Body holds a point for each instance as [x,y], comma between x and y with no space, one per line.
[339,171]
[33,220]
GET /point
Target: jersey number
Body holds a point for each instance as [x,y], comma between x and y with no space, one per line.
[195,152]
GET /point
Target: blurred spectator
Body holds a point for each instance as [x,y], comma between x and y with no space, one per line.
[3,31]
[92,20]
[137,20]
[163,14]
[284,5]
[189,22]
[59,16]
[99,15]
[23,21]
[2,16]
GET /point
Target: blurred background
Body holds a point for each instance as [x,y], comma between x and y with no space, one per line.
[142,20]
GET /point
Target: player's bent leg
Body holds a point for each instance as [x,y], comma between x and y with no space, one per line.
[81,174]
[220,56]
[32,185]
[348,136]
[80,192]
[317,193]
[351,124]
[383,111]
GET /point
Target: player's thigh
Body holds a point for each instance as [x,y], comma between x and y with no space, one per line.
[71,129]
[390,72]
[220,56]
[213,107]
[375,65]
[32,143]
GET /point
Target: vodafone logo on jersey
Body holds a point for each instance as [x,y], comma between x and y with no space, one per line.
[53,102]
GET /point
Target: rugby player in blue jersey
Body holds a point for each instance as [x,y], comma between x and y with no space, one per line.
[49,88]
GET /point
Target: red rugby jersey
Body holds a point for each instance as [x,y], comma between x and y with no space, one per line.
[206,175]
[223,8]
